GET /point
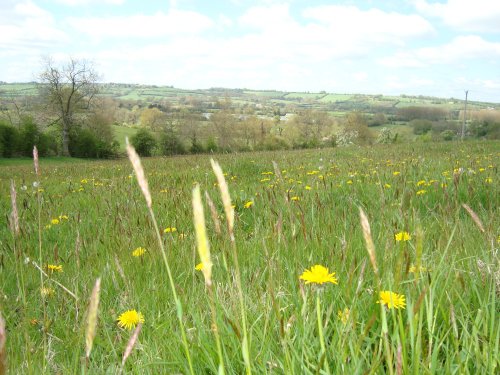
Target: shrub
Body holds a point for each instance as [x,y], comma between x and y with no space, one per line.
[144,142]
[170,144]
[9,140]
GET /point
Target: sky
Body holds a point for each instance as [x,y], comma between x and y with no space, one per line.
[392,47]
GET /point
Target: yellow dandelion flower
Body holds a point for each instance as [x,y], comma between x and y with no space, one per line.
[139,252]
[199,267]
[63,217]
[421,182]
[392,300]
[387,186]
[421,192]
[414,269]
[54,221]
[248,204]
[129,319]
[295,198]
[488,180]
[402,236]
[54,268]
[265,180]
[349,182]
[307,187]
[47,292]
[396,173]
[84,181]
[318,275]
[170,230]
[344,315]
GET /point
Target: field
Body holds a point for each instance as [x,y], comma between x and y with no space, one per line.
[85,220]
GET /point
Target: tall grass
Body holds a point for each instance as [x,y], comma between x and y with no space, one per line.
[449,271]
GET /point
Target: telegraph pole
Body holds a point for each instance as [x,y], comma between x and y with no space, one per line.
[465,115]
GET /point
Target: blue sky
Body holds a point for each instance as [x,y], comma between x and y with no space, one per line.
[422,47]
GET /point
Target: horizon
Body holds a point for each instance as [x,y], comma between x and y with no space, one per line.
[410,47]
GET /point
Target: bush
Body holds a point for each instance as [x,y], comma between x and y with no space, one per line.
[85,143]
[211,145]
[144,142]
[9,140]
[421,126]
[170,144]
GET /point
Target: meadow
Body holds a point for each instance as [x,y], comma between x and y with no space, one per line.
[416,292]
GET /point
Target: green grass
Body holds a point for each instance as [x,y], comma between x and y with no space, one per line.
[121,132]
[450,323]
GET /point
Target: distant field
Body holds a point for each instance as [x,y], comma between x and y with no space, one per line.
[121,132]
[333,98]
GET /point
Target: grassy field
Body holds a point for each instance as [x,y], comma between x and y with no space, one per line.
[84,221]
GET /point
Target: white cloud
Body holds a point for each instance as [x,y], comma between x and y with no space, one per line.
[174,22]
[24,25]
[460,49]
[467,15]
[89,2]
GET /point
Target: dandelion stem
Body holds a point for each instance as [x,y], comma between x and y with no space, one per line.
[320,331]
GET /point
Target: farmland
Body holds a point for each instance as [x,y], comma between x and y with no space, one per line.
[433,214]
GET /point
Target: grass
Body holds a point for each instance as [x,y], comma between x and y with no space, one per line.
[121,132]
[310,216]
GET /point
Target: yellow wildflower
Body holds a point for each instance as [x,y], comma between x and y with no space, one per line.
[318,275]
[129,319]
[392,300]
[402,236]
[139,252]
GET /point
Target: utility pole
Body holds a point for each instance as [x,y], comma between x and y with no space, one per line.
[465,115]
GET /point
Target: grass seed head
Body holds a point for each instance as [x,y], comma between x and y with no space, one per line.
[226,198]
[370,247]
[92,317]
[139,172]
[201,236]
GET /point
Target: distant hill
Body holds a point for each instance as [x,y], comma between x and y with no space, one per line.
[335,103]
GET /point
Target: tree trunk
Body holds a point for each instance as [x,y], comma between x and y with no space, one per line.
[65,141]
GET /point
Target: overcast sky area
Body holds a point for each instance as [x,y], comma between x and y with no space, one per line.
[417,47]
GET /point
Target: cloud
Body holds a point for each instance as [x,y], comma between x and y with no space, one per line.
[24,26]
[89,2]
[460,49]
[465,15]
[174,22]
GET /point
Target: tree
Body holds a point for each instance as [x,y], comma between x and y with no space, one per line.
[68,90]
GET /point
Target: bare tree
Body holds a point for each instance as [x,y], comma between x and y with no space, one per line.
[68,90]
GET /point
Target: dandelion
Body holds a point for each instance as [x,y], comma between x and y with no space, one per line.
[139,252]
[170,230]
[392,300]
[387,186]
[295,198]
[396,173]
[199,267]
[415,269]
[63,217]
[402,236]
[54,268]
[47,292]
[129,319]
[307,187]
[318,275]
[488,180]
[248,204]
[54,221]
[84,181]
[421,182]
[421,192]
[344,315]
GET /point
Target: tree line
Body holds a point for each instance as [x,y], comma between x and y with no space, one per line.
[73,119]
